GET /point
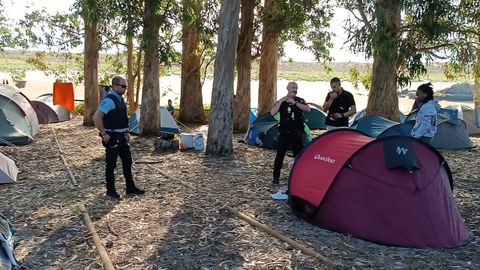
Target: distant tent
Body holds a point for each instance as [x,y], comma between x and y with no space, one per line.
[395,190]
[49,113]
[263,132]
[362,113]
[18,119]
[167,123]
[373,125]
[315,119]
[467,114]
[451,133]
[8,170]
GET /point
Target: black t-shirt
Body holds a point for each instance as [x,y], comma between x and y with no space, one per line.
[291,117]
[341,104]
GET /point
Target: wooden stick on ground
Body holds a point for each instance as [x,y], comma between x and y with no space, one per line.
[107,264]
[72,178]
[306,250]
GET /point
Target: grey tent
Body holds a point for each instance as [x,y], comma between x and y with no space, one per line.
[451,133]
[167,122]
[18,119]
[8,170]
[49,113]
[467,114]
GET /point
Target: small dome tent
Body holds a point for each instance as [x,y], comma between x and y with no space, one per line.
[18,119]
[394,190]
[49,113]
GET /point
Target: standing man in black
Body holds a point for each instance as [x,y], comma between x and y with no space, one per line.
[291,126]
[111,119]
[340,105]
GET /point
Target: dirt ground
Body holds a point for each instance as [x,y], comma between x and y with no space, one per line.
[175,227]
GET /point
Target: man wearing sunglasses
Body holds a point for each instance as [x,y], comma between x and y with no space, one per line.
[111,119]
[291,127]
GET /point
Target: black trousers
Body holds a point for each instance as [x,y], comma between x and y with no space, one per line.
[115,147]
[286,140]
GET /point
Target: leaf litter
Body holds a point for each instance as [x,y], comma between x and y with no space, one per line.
[175,227]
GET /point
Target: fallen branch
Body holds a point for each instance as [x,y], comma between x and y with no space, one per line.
[72,178]
[306,250]
[107,264]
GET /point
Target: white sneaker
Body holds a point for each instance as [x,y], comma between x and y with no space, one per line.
[281,194]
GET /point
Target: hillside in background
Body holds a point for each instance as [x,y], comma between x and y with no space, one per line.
[306,71]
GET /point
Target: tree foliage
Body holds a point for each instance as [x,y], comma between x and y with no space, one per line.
[424,30]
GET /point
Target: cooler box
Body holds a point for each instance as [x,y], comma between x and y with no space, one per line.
[191,141]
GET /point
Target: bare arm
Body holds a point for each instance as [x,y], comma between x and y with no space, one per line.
[277,105]
[98,119]
[328,103]
[351,111]
[303,107]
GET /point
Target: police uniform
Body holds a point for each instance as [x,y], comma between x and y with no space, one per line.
[291,130]
[115,122]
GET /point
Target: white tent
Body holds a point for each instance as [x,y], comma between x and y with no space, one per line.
[167,123]
[8,170]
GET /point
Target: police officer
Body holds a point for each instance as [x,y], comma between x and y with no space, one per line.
[111,119]
[291,126]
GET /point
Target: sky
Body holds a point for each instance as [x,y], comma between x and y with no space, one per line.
[15,9]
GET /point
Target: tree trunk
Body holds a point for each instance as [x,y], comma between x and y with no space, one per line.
[241,109]
[150,110]
[267,85]
[90,69]
[476,86]
[138,76]
[220,129]
[383,97]
[130,77]
[191,102]
[476,74]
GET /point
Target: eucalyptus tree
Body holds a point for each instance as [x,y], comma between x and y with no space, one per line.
[464,53]
[304,22]
[220,130]
[241,108]
[5,31]
[198,29]
[402,36]
[158,33]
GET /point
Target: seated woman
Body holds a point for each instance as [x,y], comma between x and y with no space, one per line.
[426,121]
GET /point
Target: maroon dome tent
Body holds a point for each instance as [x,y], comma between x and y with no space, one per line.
[394,190]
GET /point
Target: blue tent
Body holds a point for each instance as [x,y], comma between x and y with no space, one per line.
[253,115]
[373,125]
[362,113]
[263,132]
[451,133]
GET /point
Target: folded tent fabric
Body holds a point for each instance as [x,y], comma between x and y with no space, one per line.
[63,95]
